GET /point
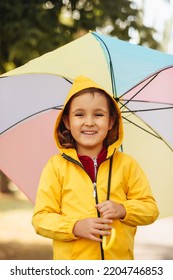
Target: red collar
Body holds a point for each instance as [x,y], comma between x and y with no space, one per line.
[88,162]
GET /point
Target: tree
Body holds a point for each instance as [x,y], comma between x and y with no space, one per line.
[30,28]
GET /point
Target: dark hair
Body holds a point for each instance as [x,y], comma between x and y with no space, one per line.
[64,135]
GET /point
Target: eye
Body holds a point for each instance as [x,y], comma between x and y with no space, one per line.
[99,114]
[79,114]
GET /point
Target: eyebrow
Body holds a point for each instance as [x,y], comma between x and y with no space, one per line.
[82,109]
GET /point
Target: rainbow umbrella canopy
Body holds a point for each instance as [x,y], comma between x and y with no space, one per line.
[139,78]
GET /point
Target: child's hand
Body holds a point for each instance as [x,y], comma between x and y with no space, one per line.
[91,228]
[111,210]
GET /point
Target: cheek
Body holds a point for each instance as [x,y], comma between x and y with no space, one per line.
[74,124]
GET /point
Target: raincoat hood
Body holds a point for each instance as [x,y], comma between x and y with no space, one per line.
[81,83]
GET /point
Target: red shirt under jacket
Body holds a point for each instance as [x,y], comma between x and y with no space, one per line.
[88,163]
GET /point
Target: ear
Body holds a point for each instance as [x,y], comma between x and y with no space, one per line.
[111,122]
[66,122]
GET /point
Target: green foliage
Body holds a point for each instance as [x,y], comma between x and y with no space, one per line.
[29,28]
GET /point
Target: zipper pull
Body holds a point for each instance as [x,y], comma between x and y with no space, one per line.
[95,167]
[95,173]
[95,189]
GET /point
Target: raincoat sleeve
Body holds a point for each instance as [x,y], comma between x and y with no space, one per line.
[47,219]
[140,205]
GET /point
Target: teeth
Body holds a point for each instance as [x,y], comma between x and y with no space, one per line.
[89,132]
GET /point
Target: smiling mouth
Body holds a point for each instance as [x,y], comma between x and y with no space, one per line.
[89,132]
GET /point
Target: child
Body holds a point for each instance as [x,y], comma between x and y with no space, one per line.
[90,187]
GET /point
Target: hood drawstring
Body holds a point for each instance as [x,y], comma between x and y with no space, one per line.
[109,178]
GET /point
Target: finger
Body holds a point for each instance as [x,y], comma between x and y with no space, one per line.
[102,232]
[102,209]
[108,211]
[101,205]
[103,227]
[105,208]
[94,238]
[108,215]
[104,221]
[104,203]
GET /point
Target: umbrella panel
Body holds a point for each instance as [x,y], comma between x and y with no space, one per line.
[131,63]
[26,148]
[83,56]
[154,117]
[27,95]
[152,101]
[156,160]
[157,88]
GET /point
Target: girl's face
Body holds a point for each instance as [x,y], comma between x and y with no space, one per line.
[89,122]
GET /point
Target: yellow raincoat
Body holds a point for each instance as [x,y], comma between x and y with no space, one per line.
[65,195]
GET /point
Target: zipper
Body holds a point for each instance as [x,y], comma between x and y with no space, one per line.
[95,167]
[96,199]
[95,175]
[95,190]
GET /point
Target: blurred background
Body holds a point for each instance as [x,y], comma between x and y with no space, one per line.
[30,28]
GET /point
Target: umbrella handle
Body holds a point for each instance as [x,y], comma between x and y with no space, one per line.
[106,246]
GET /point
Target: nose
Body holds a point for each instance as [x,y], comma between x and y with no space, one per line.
[89,121]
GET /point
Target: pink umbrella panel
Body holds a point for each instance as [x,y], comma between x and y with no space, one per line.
[152,102]
[26,140]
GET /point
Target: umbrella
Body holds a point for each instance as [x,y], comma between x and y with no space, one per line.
[138,77]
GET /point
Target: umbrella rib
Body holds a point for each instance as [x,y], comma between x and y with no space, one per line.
[140,90]
[59,107]
[114,90]
[156,135]
[145,101]
[147,110]
[56,108]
